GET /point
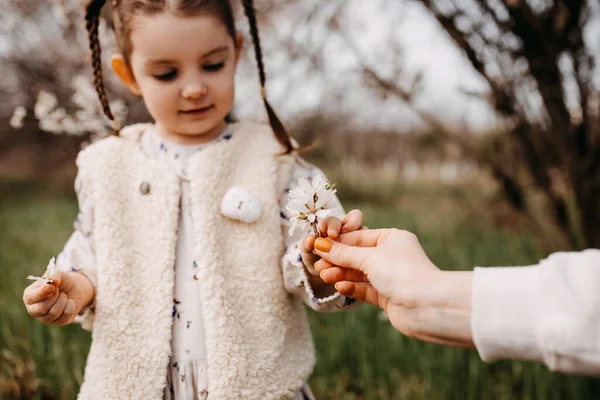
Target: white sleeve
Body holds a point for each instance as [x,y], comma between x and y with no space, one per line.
[79,253]
[548,312]
[295,277]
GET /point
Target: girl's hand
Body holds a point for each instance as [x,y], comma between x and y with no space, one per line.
[331,227]
[58,303]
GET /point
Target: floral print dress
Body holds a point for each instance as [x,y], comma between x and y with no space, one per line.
[187,376]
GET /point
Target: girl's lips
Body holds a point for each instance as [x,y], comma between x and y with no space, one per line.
[196,111]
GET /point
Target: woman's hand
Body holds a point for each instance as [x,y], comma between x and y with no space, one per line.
[389,268]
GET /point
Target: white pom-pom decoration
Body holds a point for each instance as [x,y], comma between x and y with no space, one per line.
[240,205]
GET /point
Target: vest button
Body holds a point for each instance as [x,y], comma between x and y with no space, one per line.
[144,188]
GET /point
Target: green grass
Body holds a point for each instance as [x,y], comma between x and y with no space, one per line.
[359,355]
[35,359]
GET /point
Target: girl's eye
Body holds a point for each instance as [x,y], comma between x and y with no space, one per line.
[213,67]
[167,76]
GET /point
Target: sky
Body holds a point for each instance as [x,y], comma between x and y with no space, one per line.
[447,74]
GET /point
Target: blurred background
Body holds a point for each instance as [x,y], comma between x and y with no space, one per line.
[473,123]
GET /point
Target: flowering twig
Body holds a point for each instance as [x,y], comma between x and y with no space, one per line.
[309,202]
[50,271]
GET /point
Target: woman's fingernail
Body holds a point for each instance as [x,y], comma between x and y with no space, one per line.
[337,285]
[323,245]
[321,275]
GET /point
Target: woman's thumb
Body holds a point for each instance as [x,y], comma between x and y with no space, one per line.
[341,254]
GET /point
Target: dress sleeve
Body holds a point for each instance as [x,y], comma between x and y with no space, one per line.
[79,252]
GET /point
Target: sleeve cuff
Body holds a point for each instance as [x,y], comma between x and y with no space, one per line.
[86,317]
[505,307]
[297,282]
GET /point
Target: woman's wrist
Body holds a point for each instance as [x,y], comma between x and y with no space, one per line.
[443,313]
[453,290]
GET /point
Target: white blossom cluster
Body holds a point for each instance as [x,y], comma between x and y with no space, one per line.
[87,118]
[310,201]
[48,275]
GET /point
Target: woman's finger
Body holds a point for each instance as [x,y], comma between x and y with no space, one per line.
[337,274]
[322,265]
[343,255]
[365,237]
[360,291]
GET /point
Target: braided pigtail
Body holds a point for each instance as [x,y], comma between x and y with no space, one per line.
[92,23]
[280,132]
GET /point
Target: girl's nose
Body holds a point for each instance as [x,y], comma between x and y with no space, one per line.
[194,91]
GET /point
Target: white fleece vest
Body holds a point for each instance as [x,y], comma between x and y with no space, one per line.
[258,340]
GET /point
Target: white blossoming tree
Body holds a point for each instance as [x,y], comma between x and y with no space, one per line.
[47,86]
[47,79]
[48,59]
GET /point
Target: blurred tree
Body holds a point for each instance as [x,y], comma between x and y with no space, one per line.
[344,58]
[46,84]
[540,72]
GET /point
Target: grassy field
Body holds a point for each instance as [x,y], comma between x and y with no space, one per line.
[359,355]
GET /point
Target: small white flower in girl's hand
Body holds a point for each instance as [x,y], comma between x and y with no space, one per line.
[309,202]
[50,271]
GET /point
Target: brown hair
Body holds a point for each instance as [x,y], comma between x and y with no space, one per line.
[124,10]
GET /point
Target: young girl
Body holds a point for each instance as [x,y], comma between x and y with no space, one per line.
[187,299]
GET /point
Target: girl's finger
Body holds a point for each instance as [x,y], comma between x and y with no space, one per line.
[56,310]
[40,309]
[352,221]
[331,226]
[37,292]
[337,274]
[309,260]
[308,243]
[68,314]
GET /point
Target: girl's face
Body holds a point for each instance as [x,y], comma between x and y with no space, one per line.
[184,68]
